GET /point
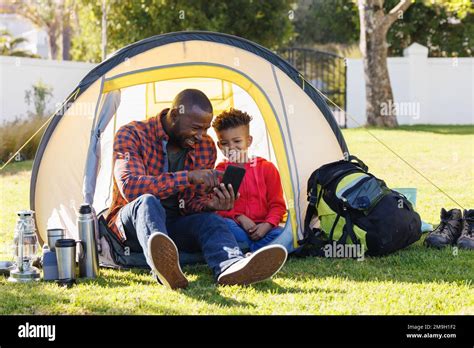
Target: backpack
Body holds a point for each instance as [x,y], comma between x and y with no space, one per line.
[348,205]
[112,253]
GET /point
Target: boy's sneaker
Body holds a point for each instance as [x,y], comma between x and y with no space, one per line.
[448,231]
[164,256]
[466,241]
[259,266]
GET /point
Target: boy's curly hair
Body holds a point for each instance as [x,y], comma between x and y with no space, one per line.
[231,119]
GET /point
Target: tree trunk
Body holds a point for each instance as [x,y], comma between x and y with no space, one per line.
[53,44]
[104,29]
[374,25]
[66,34]
[54,30]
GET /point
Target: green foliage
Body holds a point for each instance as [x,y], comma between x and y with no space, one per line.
[459,7]
[446,27]
[39,95]
[85,45]
[444,31]
[9,46]
[44,14]
[323,22]
[14,134]
[265,22]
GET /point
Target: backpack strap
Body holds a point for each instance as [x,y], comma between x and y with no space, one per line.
[312,236]
[310,211]
[348,229]
[336,220]
[359,162]
[313,202]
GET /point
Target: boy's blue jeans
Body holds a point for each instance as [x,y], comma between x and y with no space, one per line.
[205,232]
[242,237]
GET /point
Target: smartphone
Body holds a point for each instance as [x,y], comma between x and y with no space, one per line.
[233,175]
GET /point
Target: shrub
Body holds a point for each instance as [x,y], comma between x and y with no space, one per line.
[14,134]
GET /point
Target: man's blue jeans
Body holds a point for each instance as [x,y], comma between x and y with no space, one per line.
[205,232]
[242,237]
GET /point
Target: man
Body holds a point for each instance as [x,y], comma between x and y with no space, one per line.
[166,192]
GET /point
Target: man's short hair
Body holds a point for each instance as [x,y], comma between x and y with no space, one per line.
[231,119]
[191,97]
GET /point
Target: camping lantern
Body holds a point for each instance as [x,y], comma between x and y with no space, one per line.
[25,245]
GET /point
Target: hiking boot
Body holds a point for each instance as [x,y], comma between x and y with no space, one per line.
[259,266]
[164,256]
[466,241]
[448,231]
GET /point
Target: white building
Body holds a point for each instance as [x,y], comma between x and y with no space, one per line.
[19,26]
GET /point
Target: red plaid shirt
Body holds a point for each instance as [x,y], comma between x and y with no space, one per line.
[139,168]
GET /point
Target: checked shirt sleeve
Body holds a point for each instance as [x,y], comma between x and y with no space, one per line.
[197,201]
[131,175]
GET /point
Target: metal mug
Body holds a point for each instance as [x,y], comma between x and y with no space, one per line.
[53,235]
[66,255]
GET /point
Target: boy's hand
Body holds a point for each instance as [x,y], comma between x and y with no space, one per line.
[223,198]
[259,231]
[246,222]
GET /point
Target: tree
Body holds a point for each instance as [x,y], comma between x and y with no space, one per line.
[67,9]
[322,22]
[9,46]
[266,22]
[43,14]
[445,27]
[374,25]
[54,17]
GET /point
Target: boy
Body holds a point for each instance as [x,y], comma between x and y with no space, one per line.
[256,214]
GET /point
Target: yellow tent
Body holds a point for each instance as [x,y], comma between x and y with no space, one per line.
[292,125]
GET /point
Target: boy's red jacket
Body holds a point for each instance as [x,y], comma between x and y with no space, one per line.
[261,194]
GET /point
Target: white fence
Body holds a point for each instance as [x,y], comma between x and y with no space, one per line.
[426,90]
[17,75]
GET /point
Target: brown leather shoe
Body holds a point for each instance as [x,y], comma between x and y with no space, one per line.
[448,231]
[466,240]
[165,258]
[259,266]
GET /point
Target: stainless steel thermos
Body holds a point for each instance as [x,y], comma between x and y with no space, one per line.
[66,255]
[53,235]
[89,260]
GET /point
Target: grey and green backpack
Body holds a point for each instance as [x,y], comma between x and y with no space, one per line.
[348,205]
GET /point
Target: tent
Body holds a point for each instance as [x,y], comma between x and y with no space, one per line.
[292,127]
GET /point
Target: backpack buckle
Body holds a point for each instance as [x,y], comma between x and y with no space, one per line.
[312,199]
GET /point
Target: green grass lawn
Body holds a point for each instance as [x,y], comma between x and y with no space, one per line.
[412,281]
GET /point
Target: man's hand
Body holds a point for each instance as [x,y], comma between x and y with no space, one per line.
[223,198]
[246,222]
[259,231]
[207,177]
